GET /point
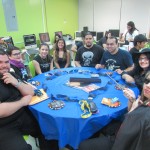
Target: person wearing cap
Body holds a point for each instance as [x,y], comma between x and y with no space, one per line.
[139,43]
[137,75]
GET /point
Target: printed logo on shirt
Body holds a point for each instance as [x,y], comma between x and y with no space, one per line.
[110,64]
[87,58]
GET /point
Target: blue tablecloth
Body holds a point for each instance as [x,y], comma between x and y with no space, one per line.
[66,125]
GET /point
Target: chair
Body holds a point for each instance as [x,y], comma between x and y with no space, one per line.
[31,68]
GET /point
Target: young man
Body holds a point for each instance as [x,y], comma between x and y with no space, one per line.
[139,43]
[114,58]
[90,54]
[15,118]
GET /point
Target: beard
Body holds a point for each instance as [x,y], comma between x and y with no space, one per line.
[88,45]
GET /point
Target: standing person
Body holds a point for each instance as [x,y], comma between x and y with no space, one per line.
[16,62]
[89,54]
[43,62]
[139,43]
[15,118]
[114,58]
[137,75]
[129,34]
[102,41]
[134,133]
[61,55]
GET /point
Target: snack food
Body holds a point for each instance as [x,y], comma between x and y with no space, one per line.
[111,102]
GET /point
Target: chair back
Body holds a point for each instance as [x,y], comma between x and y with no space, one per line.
[31,68]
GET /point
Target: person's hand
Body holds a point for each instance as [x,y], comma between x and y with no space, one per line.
[136,103]
[119,71]
[26,100]
[97,66]
[9,79]
[129,94]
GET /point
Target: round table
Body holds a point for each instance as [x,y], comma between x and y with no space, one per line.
[66,124]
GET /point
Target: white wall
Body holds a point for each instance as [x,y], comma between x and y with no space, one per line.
[102,15]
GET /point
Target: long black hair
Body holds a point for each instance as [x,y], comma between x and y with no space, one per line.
[138,68]
[133,28]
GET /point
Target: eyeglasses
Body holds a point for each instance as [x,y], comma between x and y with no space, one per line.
[16,54]
[147,81]
[144,58]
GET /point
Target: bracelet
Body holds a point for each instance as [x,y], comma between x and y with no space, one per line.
[18,84]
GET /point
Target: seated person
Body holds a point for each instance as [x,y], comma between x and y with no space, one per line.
[90,54]
[139,43]
[77,45]
[61,55]
[137,75]
[57,36]
[16,62]
[114,58]
[43,62]
[15,118]
[102,41]
[134,133]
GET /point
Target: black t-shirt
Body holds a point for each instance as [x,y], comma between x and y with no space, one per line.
[44,63]
[89,57]
[9,93]
[133,51]
[138,77]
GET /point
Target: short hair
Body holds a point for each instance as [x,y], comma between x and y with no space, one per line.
[139,38]
[87,33]
[11,48]
[113,37]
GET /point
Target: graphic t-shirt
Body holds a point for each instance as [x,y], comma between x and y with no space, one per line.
[121,60]
[89,57]
[44,63]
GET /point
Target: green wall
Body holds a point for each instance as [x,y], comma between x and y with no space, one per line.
[57,15]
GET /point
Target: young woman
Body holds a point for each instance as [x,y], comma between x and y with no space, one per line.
[134,133]
[16,62]
[130,33]
[137,75]
[43,62]
[61,55]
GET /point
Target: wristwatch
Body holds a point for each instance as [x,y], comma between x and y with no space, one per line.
[18,84]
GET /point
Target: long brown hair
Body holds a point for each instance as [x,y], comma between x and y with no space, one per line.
[143,98]
[57,50]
